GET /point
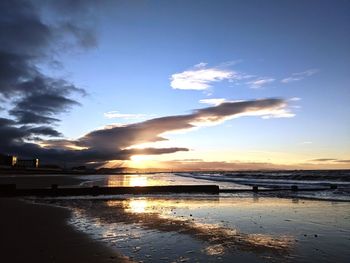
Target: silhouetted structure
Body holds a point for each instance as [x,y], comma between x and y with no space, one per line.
[12,190]
[7,190]
[13,161]
[30,163]
[8,160]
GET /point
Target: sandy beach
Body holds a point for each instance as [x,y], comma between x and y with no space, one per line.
[39,233]
[246,227]
[40,181]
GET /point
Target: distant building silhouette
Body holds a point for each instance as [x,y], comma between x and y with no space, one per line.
[13,161]
[8,160]
[30,163]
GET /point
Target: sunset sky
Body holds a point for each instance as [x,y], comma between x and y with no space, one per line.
[177,84]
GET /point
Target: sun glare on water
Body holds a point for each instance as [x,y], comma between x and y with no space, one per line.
[138,181]
[141,161]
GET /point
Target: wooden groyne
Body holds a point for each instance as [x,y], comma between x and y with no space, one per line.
[293,188]
[10,190]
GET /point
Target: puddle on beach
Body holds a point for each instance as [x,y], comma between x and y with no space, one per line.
[216,228]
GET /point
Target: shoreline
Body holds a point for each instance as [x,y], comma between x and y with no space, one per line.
[40,233]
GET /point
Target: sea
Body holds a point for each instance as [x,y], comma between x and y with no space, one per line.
[304,180]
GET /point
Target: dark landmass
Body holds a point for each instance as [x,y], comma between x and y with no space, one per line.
[27,181]
[39,233]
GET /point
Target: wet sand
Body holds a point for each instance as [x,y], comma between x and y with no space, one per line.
[217,229]
[39,233]
[40,181]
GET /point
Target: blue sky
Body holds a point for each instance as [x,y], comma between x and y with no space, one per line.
[162,58]
[141,45]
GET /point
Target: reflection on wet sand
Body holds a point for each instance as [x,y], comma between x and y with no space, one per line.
[205,228]
[158,215]
[136,206]
[219,238]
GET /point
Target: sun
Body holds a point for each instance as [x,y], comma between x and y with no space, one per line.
[141,161]
[139,158]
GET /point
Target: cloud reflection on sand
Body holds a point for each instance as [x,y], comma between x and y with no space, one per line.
[158,215]
[207,228]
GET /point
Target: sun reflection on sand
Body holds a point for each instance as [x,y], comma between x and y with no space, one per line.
[159,215]
[137,206]
[211,226]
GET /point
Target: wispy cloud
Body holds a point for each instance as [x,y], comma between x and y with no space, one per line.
[258,83]
[277,112]
[200,77]
[306,142]
[343,161]
[323,160]
[214,102]
[299,75]
[200,65]
[334,160]
[222,165]
[126,116]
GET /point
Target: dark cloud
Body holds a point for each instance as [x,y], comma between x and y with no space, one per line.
[16,139]
[13,137]
[42,130]
[26,117]
[22,32]
[45,97]
[6,122]
[33,33]
[9,134]
[113,143]
[27,40]
[151,130]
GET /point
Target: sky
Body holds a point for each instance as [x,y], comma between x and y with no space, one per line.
[177,84]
